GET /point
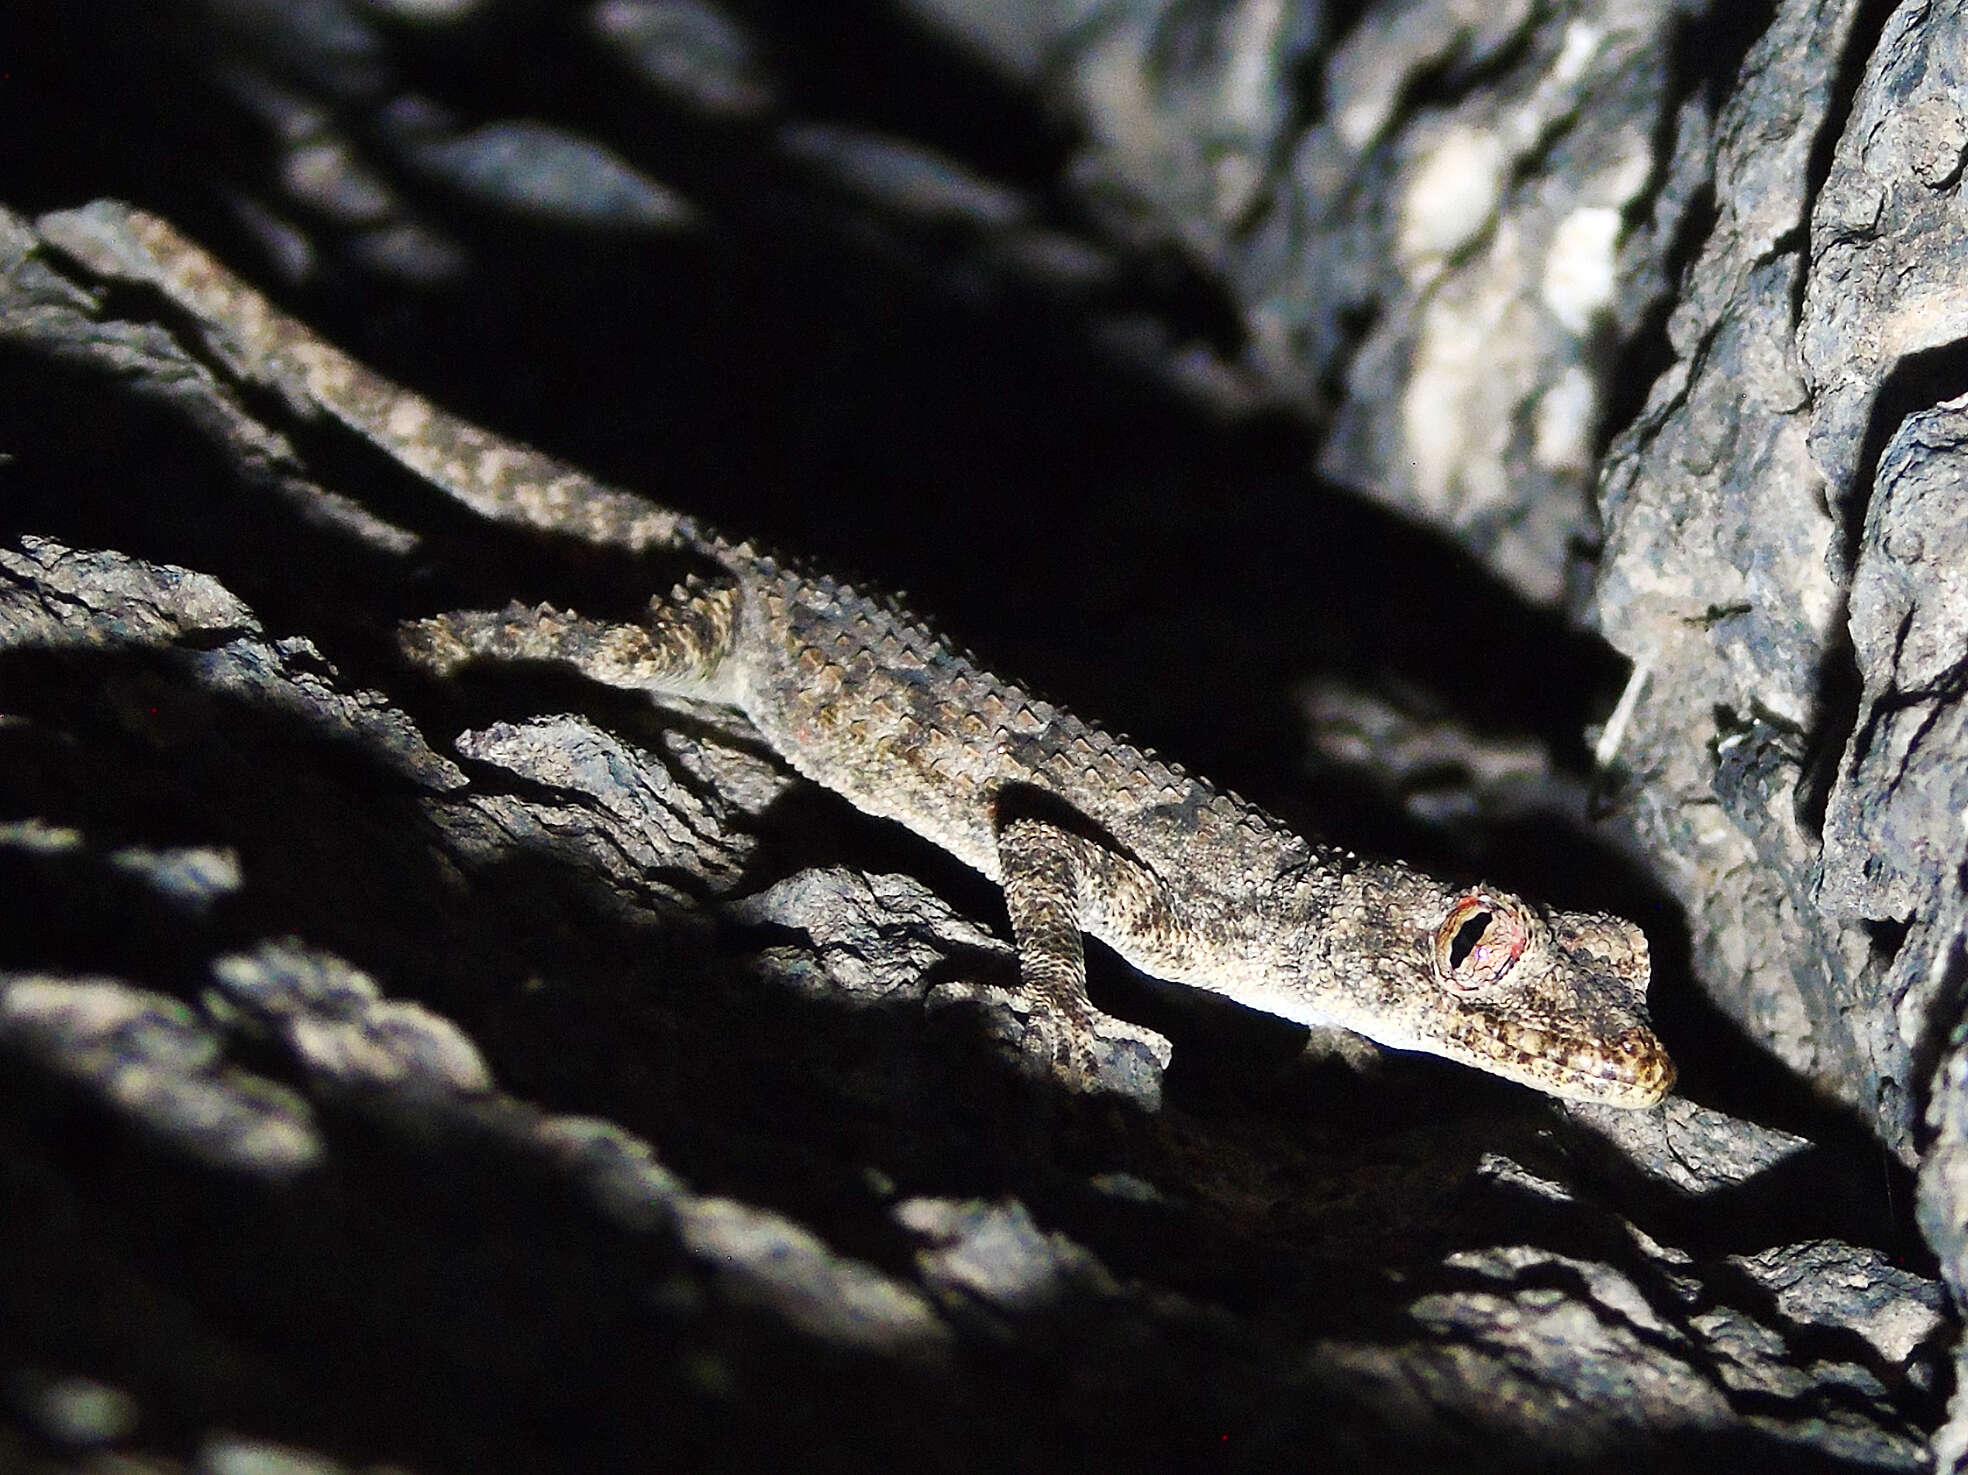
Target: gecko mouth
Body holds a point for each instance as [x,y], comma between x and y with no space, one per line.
[1632,1069]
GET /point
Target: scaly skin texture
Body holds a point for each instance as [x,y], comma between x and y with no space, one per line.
[1085,832]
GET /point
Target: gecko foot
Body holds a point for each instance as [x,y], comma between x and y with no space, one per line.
[1097,1055]
[433,646]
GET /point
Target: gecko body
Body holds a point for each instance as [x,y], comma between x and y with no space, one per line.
[1085,832]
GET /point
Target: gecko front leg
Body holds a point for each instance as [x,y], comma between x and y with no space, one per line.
[1053,881]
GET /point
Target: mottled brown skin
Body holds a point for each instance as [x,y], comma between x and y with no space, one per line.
[1085,832]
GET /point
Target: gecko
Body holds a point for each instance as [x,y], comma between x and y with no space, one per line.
[1085,833]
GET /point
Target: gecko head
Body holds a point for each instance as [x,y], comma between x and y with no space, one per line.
[1549,999]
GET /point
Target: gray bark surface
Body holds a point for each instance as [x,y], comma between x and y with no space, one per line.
[506,1074]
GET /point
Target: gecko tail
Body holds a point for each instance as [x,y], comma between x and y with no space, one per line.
[496,478]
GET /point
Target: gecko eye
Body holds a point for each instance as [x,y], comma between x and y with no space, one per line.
[1479,942]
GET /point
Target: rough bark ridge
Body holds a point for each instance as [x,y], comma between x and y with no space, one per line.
[505,1075]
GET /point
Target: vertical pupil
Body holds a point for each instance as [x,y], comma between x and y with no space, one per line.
[1466,938]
